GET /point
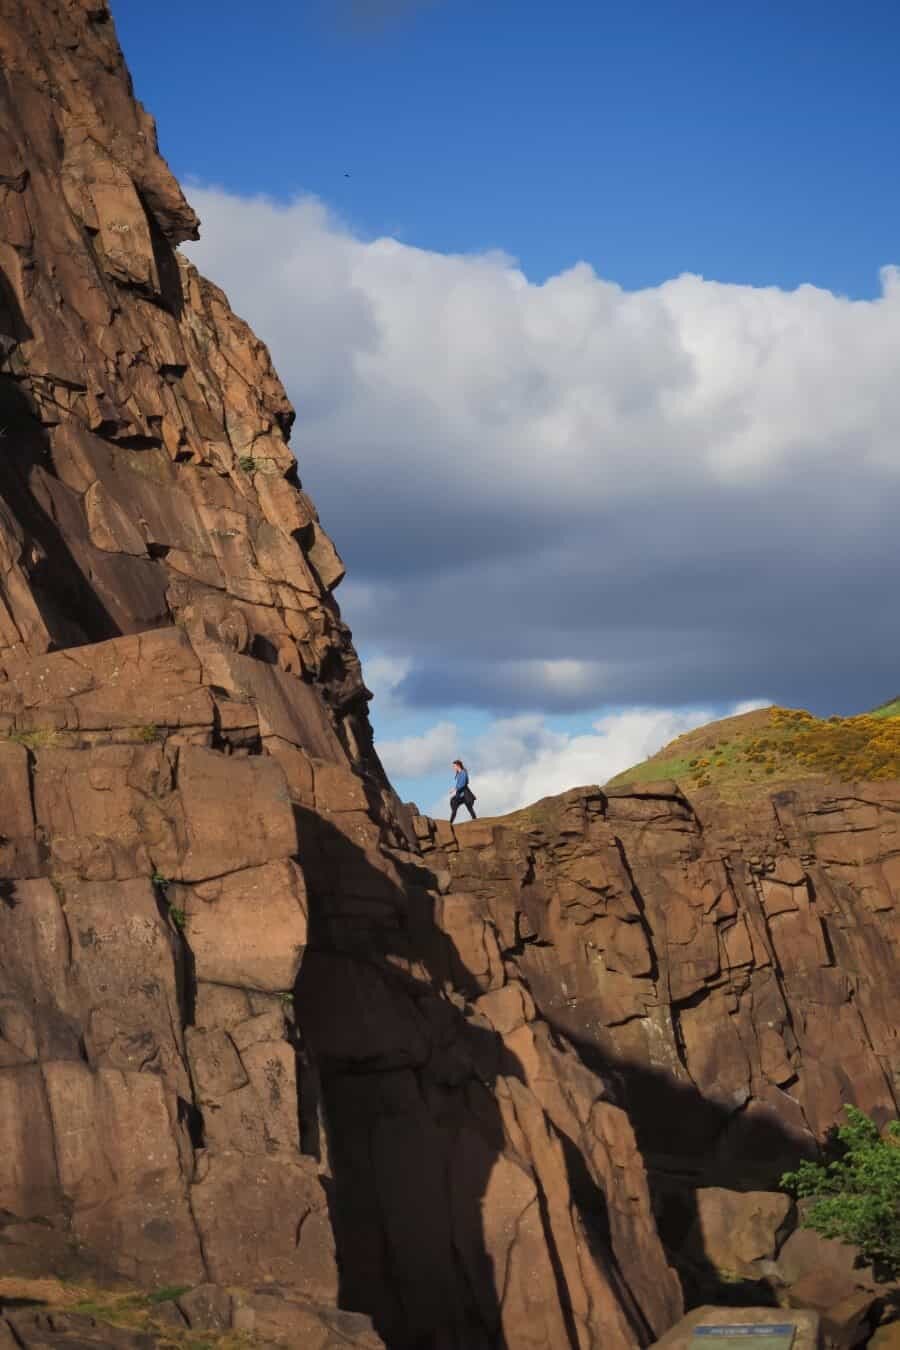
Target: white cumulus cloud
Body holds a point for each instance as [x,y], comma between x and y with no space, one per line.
[564,494]
[517,760]
[521,759]
[415,756]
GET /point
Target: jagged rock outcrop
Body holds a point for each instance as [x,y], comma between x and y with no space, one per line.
[733,968]
[243,1041]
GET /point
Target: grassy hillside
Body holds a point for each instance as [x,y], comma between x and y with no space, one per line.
[133,1310]
[764,749]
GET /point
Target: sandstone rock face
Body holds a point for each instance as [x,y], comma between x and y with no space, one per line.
[263,1319]
[734,970]
[262,1032]
[738,1231]
[245,1041]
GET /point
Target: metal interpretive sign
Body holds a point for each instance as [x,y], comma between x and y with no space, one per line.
[749,1335]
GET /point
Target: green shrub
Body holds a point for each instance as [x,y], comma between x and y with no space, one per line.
[247,463]
[168,1292]
[856,1196]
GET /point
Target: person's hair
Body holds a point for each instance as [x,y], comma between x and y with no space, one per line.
[460,763]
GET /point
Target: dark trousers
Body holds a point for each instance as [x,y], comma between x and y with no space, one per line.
[462,798]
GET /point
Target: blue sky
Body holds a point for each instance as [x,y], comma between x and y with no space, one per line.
[591,351]
[752,142]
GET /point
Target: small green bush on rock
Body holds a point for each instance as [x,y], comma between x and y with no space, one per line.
[856,1196]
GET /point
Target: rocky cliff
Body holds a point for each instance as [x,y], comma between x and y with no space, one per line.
[731,968]
[348,1073]
[245,1044]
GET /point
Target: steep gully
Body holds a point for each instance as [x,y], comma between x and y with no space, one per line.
[262,1028]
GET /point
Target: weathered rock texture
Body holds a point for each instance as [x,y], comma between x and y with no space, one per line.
[243,1040]
[734,969]
[207,1318]
[259,1029]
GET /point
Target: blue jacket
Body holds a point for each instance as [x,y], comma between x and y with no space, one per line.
[461,780]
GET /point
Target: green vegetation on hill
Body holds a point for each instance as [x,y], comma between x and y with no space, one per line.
[130,1309]
[889,709]
[762,749]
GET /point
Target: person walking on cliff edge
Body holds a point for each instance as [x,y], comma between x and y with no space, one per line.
[462,793]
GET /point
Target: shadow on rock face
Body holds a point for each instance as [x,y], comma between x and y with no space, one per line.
[416,1138]
[407,1082]
[65,599]
[410,1090]
[67,602]
[689,1144]
[79,593]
